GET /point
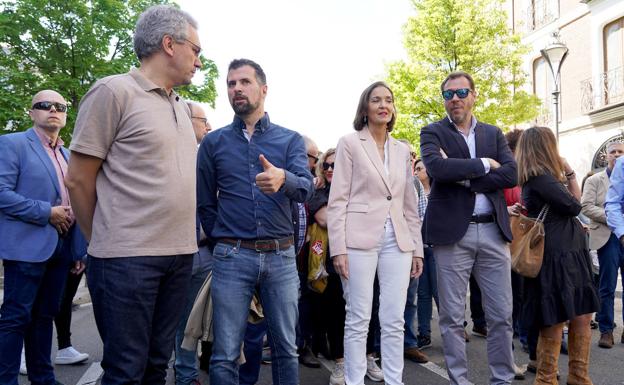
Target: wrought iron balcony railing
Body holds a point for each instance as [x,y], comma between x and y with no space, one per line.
[604,90]
[540,13]
[545,116]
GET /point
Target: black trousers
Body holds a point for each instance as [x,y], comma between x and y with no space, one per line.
[62,321]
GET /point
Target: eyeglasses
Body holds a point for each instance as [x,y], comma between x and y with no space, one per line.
[313,157]
[326,165]
[461,93]
[47,106]
[203,120]
[197,49]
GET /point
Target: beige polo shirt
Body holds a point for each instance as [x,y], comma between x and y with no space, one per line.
[146,186]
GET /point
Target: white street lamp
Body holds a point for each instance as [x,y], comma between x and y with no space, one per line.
[554,54]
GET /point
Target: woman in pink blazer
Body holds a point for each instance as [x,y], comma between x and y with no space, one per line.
[374,227]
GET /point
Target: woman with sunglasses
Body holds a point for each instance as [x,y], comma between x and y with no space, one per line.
[374,228]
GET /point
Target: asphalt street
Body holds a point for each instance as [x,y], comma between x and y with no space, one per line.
[606,368]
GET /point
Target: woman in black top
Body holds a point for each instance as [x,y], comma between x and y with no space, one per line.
[563,290]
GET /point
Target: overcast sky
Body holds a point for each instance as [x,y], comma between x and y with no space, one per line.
[318,55]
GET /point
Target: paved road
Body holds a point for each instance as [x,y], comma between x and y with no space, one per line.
[607,366]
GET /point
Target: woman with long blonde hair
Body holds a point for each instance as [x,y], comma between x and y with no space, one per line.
[563,290]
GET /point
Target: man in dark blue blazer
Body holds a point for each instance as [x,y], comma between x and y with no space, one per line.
[40,240]
[467,223]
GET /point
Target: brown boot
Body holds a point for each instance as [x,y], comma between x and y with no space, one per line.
[578,366]
[606,340]
[547,360]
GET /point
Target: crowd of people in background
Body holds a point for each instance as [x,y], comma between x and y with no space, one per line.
[214,243]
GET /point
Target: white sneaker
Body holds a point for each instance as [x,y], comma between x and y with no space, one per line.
[520,371]
[23,370]
[337,376]
[372,370]
[70,356]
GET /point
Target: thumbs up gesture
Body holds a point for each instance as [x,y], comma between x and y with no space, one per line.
[271,179]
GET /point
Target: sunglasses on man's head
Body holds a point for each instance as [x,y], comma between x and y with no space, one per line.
[461,93]
[47,106]
[326,166]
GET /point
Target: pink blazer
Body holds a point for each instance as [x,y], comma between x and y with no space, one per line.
[362,194]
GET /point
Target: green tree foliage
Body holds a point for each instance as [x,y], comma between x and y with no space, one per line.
[66,46]
[466,35]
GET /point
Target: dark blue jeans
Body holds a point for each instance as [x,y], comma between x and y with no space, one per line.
[427,291]
[186,366]
[410,340]
[137,304]
[32,297]
[611,258]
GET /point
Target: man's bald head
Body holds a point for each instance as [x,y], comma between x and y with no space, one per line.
[48,117]
[312,151]
[48,96]
[200,124]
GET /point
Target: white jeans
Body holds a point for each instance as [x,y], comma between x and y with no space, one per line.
[393,271]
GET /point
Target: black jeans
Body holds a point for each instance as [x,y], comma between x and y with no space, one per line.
[476,305]
[62,321]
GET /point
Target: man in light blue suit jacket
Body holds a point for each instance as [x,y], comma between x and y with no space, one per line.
[40,239]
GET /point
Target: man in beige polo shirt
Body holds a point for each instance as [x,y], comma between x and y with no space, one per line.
[131,180]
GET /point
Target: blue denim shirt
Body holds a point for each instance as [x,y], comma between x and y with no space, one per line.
[614,201]
[229,203]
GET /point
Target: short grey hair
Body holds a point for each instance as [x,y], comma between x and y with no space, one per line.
[156,22]
[613,143]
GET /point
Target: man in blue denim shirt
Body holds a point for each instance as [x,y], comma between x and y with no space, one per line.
[614,207]
[248,173]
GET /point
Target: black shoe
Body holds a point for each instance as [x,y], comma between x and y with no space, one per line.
[306,358]
[480,331]
[423,341]
[266,355]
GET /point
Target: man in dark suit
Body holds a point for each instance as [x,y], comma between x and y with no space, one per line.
[467,222]
[40,239]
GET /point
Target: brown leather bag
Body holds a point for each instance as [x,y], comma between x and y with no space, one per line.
[527,246]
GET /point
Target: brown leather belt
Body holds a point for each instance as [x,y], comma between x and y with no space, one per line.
[260,244]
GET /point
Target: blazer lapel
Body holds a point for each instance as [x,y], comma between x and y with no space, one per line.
[368,143]
[65,153]
[393,160]
[604,181]
[36,145]
[461,142]
[480,140]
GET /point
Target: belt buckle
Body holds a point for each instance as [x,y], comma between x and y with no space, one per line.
[264,245]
